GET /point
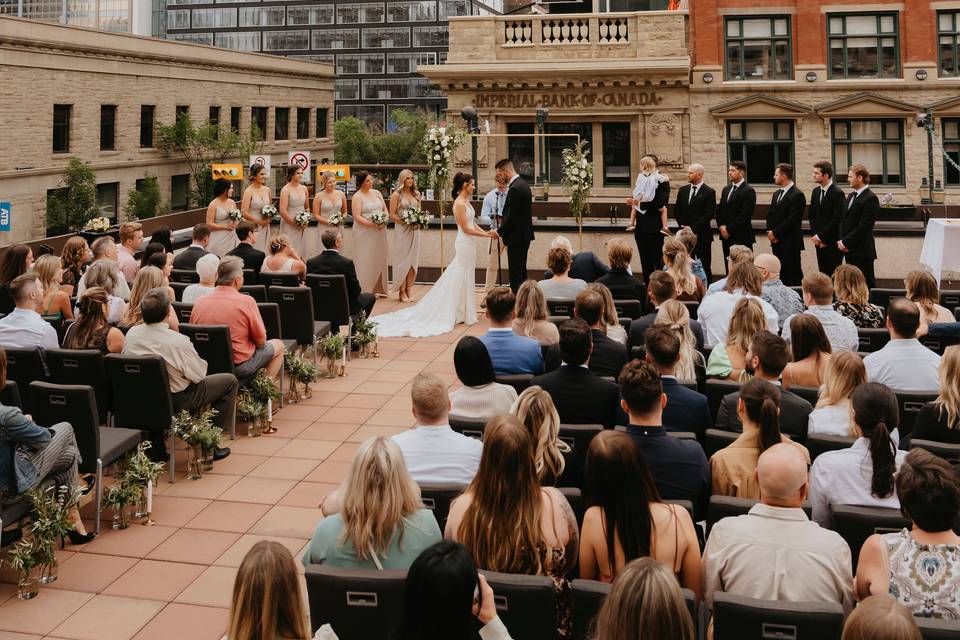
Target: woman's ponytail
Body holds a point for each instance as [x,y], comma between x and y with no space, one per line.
[875,410]
[884,456]
[761,400]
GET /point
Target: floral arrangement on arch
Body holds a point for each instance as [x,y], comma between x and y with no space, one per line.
[578,178]
[439,144]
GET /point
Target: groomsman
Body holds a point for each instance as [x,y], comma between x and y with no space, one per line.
[856,227]
[826,209]
[735,211]
[695,207]
[784,220]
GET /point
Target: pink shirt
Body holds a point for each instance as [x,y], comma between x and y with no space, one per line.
[226,305]
[127,263]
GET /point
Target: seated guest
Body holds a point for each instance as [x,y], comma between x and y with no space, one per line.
[434,452]
[610,322]
[774,552]
[581,396]
[330,262]
[131,239]
[689,240]
[715,311]
[16,261]
[226,305]
[678,264]
[660,289]
[645,602]
[163,236]
[676,317]
[833,415]
[767,357]
[904,363]
[199,239]
[381,524]
[584,266]
[811,350]
[554,460]
[607,356]
[510,353]
[627,520]
[918,567]
[55,305]
[164,262]
[728,360]
[818,296]
[148,279]
[481,396]
[880,617]
[940,420]
[679,468]
[738,253]
[561,286]
[686,409]
[531,315]
[207,270]
[91,330]
[267,601]
[922,288]
[283,258]
[24,328]
[104,274]
[104,249]
[74,259]
[623,285]
[861,475]
[152,249]
[247,234]
[853,298]
[190,386]
[781,297]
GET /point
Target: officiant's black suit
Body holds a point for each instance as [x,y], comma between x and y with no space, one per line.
[517,230]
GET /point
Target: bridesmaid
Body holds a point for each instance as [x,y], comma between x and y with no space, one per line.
[293,197]
[329,200]
[370,239]
[406,238]
[222,229]
[255,198]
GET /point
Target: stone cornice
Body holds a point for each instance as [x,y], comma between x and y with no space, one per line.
[633,72]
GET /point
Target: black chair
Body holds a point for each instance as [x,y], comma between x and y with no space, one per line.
[360,604]
[10,395]
[949,452]
[270,314]
[910,403]
[330,302]
[575,499]
[186,276]
[527,605]
[939,344]
[82,366]
[558,307]
[269,279]
[872,339]
[557,320]
[937,628]
[212,342]
[881,297]
[737,617]
[587,597]
[471,427]
[638,352]
[178,289]
[721,507]
[716,439]
[631,309]
[956,313]
[692,308]
[256,291]
[99,446]
[438,496]
[134,407]
[681,435]
[296,316]
[819,443]
[249,277]
[183,311]
[25,366]
[518,381]
[715,392]
[810,394]
[856,524]
[949,298]
[578,437]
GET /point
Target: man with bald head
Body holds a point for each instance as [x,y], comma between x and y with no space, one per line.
[695,207]
[775,552]
[781,297]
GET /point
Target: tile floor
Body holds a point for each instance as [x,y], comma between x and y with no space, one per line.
[175,579]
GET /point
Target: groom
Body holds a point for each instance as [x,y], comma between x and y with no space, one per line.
[516,230]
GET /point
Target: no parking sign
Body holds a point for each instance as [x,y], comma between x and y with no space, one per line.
[302,160]
[263,159]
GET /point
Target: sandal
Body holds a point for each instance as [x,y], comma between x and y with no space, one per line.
[269,430]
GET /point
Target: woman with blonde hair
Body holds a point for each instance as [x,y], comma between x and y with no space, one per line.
[678,264]
[689,240]
[74,258]
[283,258]
[55,305]
[623,285]
[148,278]
[406,238]
[922,289]
[676,316]
[267,603]
[329,200]
[555,466]
[611,321]
[853,298]
[728,360]
[940,420]
[880,617]
[833,415]
[255,197]
[105,274]
[531,315]
[381,523]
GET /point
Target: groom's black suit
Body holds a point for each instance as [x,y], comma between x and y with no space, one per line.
[517,230]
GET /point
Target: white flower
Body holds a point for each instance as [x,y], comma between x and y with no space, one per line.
[443,142]
[583,174]
[436,156]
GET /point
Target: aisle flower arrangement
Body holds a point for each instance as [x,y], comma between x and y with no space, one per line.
[578,180]
[332,346]
[365,336]
[251,410]
[201,436]
[299,371]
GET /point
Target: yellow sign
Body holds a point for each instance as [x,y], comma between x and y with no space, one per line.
[341,171]
[227,171]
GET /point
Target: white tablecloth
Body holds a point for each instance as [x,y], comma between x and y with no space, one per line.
[941,246]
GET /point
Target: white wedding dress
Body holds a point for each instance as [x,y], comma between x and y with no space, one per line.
[450,301]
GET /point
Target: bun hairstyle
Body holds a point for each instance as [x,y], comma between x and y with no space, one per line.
[459,180]
[220,187]
[875,411]
[256,169]
[761,402]
[278,242]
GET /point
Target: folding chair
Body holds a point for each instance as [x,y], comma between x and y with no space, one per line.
[856,524]
[470,427]
[82,366]
[186,276]
[817,444]
[10,395]
[438,496]
[872,339]
[331,303]
[560,307]
[716,439]
[24,366]
[183,311]
[527,605]
[910,403]
[737,617]
[716,391]
[256,291]
[881,297]
[360,604]
[631,309]
[278,279]
[518,381]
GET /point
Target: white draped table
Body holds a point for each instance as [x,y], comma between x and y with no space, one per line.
[941,246]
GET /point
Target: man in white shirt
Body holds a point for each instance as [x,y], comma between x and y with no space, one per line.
[775,552]
[23,328]
[131,237]
[433,452]
[490,213]
[105,249]
[904,363]
[715,312]
[818,296]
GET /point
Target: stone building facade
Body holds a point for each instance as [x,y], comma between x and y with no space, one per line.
[64,85]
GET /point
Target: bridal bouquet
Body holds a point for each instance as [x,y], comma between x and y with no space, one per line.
[235,215]
[414,217]
[336,219]
[303,218]
[270,211]
[379,218]
[97,225]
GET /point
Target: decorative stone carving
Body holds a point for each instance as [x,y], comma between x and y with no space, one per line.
[665,137]
[462,157]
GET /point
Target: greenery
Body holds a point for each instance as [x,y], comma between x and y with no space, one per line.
[364,330]
[121,494]
[578,178]
[262,388]
[70,207]
[299,369]
[332,345]
[144,203]
[140,469]
[248,407]
[197,431]
[359,143]
[24,556]
[50,519]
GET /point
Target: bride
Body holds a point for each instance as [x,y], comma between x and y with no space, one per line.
[452,299]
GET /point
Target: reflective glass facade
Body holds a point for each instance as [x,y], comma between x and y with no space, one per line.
[109,15]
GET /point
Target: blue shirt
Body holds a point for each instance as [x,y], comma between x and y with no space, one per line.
[513,354]
[492,206]
[679,467]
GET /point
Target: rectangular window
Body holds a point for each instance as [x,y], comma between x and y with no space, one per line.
[948,35]
[407,62]
[346,89]
[616,154]
[864,45]
[181,110]
[556,145]
[61,127]
[235,119]
[357,63]
[310,14]
[281,123]
[322,115]
[454,8]
[372,114]
[386,38]
[192,38]
[108,197]
[240,40]
[336,38]
[262,16]
[762,144]
[108,127]
[179,186]
[286,40]
[951,144]
[258,119]
[147,113]
[520,148]
[424,11]
[178,19]
[214,119]
[326,58]
[876,144]
[213,18]
[430,36]
[359,13]
[758,48]
[303,123]
[397,88]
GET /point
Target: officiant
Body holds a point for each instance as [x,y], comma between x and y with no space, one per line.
[491,213]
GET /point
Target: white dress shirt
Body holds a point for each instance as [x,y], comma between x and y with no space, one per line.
[906,365]
[840,329]
[843,477]
[439,454]
[25,329]
[715,312]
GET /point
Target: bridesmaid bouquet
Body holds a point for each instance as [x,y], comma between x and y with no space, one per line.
[414,217]
[270,211]
[379,218]
[336,219]
[303,218]
[235,215]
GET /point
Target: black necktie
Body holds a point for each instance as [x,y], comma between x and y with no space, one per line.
[853,196]
[693,194]
[730,195]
